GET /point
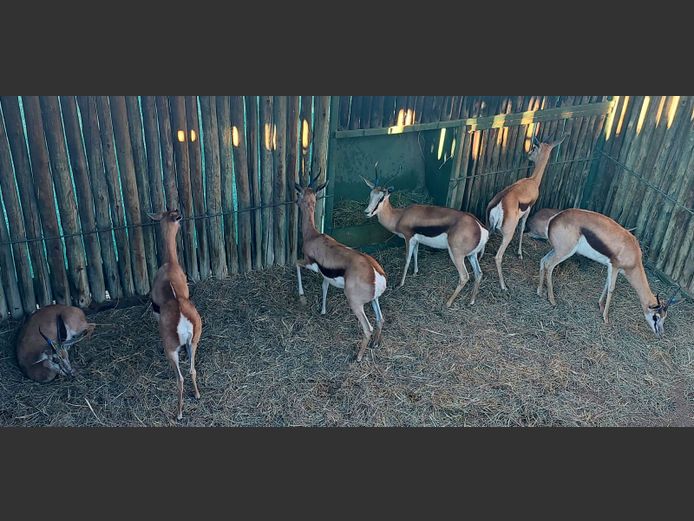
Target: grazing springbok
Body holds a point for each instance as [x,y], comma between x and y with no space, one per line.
[170,271]
[442,228]
[179,321]
[362,278]
[537,224]
[513,204]
[43,343]
[601,239]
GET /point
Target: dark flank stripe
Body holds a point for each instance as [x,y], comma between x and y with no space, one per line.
[523,206]
[430,231]
[596,243]
[331,273]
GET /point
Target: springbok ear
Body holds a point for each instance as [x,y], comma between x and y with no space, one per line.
[62,329]
[368,183]
[321,187]
[41,358]
[298,188]
[557,141]
[155,216]
[535,141]
[391,189]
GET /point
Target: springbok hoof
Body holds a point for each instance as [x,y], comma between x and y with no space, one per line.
[302,299]
[179,417]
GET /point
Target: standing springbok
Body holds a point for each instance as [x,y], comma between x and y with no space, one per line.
[443,228]
[43,343]
[361,276]
[179,321]
[170,271]
[601,239]
[513,204]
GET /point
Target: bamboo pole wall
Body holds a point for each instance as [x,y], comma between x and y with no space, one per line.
[78,176]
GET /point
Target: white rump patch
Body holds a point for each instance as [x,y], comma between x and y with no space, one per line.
[496,217]
[583,248]
[439,242]
[380,283]
[184,330]
[484,237]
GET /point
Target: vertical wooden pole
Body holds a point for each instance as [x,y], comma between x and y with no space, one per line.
[293,122]
[154,167]
[320,150]
[238,142]
[80,172]
[306,134]
[11,298]
[92,142]
[44,191]
[130,193]
[180,132]
[114,189]
[280,187]
[253,119]
[267,144]
[376,111]
[334,107]
[166,137]
[213,176]
[17,231]
[25,186]
[231,218]
[143,186]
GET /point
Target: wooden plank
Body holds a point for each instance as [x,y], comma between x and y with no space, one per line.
[17,230]
[80,172]
[143,189]
[197,185]
[267,137]
[253,121]
[100,195]
[166,137]
[487,122]
[319,162]
[243,185]
[226,168]
[177,105]
[25,187]
[280,181]
[154,167]
[213,177]
[44,192]
[4,313]
[11,298]
[344,111]
[330,166]
[366,103]
[306,138]
[293,125]
[355,112]
[376,111]
[131,196]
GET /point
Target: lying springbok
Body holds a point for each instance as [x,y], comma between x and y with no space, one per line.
[537,224]
[170,271]
[43,343]
[179,321]
[443,228]
[362,278]
[601,239]
[513,204]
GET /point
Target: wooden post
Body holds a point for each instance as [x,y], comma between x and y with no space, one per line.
[319,162]
[280,188]
[306,134]
[130,193]
[197,185]
[11,298]
[154,167]
[25,186]
[227,179]
[376,111]
[344,112]
[180,133]
[100,194]
[80,172]
[213,175]
[334,108]
[44,191]
[17,231]
[354,114]
[166,137]
[293,122]
[3,304]
[143,188]
[266,148]
[114,190]
[253,119]
[238,141]
[366,103]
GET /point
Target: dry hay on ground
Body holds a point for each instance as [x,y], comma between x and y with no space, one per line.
[264,360]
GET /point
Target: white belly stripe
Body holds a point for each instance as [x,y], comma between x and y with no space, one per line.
[583,248]
[338,282]
[439,242]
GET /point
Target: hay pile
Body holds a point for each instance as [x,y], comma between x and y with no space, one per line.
[266,361]
[350,212]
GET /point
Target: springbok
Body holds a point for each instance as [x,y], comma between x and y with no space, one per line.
[513,204]
[43,343]
[537,224]
[601,239]
[170,271]
[442,228]
[361,276]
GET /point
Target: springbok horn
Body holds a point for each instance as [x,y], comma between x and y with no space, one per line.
[376,170]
